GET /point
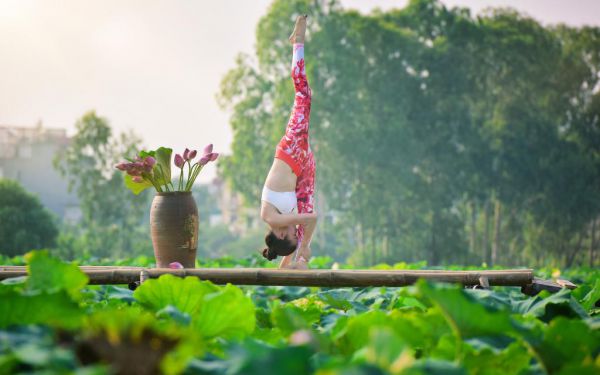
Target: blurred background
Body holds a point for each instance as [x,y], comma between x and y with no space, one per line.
[445,132]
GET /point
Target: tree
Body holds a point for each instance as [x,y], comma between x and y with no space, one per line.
[26,223]
[438,135]
[111,213]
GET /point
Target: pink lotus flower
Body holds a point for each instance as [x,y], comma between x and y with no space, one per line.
[179,161]
[175,265]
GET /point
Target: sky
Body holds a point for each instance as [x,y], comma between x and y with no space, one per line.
[154,66]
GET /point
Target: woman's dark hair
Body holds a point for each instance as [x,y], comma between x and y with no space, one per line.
[277,246]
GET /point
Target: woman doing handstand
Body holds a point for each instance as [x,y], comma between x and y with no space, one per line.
[287,197]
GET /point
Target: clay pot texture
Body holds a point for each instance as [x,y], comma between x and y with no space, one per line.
[174,228]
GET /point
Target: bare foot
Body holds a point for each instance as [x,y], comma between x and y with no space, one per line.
[301,263]
[289,266]
[286,262]
[299,30]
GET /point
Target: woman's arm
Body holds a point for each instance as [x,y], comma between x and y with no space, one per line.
[276,219]
[308,232]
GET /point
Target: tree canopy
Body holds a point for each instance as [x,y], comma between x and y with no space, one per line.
[111,213]
[438,135]
[26,223]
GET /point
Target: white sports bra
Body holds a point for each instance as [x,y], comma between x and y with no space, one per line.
[284,201]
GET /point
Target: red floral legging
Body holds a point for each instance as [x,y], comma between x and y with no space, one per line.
[294,148]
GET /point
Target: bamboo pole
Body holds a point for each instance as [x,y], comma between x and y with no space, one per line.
[326,278]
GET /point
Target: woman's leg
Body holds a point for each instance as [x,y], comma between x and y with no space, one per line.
[293,147]
[305,190]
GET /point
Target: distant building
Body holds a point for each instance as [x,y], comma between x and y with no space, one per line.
[26,155]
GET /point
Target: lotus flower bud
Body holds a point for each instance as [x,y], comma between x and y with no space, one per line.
[150,161]
[175,265]
[204,160]
[121,166]
[208,149]
[148,164]
[214,156]
[301,337]
[186,154]
[134,169]
[192,154]
[179,161]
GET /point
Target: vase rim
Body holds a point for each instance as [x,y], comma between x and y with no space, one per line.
[163,193]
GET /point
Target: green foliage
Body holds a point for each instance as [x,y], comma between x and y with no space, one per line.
[21,308]
[48,295]
[226,313]
[437,134]
[50,274]
[161,172]
[111,215]
[453,303]
[203,302]
[48,323]
[186,295]
[26,224]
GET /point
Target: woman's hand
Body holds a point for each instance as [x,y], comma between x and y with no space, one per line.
[305,252]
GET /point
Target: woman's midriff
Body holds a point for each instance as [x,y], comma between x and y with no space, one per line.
[281,177]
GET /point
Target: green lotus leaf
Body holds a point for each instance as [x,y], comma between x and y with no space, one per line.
[47,274]
[227,313]
[8,362]
[136,187]
[185,294]
[33,346]
[255,358]
[353,334]
[514,359]
[174,314]
[465,314]
[55,309]
[289,317]
[117,293]
[162,167]
[386,349]
[593,295]
[550,307]
[434,367]
[564,342]
[427,332]
[337,298]
[580,369]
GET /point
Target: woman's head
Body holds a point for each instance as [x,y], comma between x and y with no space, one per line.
[280,242]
